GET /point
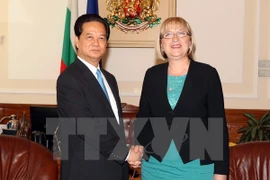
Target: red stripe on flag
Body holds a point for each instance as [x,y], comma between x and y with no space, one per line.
[63,66]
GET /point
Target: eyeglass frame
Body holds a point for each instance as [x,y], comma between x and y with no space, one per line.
[182,35]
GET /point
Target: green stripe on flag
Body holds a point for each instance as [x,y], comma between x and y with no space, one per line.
[68,52]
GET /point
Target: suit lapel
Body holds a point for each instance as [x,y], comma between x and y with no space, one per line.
[164,82]
[116,97]
[93,84]
[111,86]
[119,127]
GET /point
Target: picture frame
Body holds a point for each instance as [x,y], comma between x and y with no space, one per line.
[146,38]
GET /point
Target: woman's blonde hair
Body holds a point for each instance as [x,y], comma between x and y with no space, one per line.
[168,24]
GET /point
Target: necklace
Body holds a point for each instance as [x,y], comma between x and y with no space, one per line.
[176,82]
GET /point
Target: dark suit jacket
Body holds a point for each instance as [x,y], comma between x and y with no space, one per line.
[79,95]
[201,97]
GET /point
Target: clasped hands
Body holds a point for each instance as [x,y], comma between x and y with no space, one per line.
[135,156]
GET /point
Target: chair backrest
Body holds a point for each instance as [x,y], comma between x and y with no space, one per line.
[21,158]
[129,115]
[250,161]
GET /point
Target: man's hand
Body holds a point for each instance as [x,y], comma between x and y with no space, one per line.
[135,156]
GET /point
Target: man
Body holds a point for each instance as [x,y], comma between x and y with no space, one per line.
[90,94]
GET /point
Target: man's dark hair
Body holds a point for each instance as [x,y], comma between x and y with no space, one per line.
[90,18]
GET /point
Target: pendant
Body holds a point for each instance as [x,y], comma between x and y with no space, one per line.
[170,89]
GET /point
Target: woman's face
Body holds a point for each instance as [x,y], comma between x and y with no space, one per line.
[175,43]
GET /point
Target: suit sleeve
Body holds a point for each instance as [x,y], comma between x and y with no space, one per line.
[72,103]
[121,152]
[216,109]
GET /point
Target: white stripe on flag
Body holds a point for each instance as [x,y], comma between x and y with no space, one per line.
[82,4]
[73,7]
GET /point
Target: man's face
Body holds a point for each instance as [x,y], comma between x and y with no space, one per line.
[92,43]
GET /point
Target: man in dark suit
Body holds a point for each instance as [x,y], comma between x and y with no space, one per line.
[86,91]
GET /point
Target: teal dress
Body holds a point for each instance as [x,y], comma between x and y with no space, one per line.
[172,166]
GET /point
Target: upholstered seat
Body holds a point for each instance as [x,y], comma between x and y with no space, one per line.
[22,159]
[250,161]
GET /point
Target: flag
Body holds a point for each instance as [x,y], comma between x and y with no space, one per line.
[92,7]
[72,13]
[68,49]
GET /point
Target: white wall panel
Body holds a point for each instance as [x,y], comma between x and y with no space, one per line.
[35,37]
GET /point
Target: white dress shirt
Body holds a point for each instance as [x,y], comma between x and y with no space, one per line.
[93,69]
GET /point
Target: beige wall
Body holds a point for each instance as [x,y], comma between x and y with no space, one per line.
[232,39]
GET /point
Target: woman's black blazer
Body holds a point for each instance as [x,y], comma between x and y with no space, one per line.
[201,98]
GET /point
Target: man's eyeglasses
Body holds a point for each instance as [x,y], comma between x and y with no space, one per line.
[170,35]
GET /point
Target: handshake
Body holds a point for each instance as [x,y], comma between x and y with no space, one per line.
[135,156]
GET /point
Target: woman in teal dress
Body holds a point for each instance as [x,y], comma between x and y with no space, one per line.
[181,88]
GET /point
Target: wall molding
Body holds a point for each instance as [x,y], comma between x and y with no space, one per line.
[28,92]
[122,94]
[253,95]
[255,77]
[50,92]
[129,94]
[269,88]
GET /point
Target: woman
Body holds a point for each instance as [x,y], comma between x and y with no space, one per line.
[179,88]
